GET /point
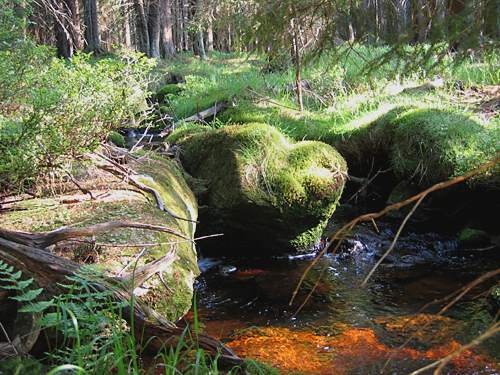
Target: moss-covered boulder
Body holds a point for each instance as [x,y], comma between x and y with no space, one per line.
[265,192]
[473,237]
[168,91]
[65,205]
[432,145]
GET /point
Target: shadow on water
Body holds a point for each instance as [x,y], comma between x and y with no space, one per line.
[345,328]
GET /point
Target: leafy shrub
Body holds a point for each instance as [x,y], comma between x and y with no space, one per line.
[53,110]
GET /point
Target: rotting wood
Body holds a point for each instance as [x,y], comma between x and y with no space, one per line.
[200,116]
[46,239]
[130,176]
[151,329]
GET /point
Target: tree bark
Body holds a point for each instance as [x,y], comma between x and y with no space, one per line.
[154,29]
[92,36]
[64,42]
[141,24]
[167,39]
[210,34]
[185,22]
[125,9]
[297,62]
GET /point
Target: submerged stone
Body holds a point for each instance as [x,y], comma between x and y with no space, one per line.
[265,192]
[473,237]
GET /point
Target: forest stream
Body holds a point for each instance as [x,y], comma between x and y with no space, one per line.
[345,328]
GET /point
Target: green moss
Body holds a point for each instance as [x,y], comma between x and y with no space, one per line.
[44,214]
[471,236]
[432,145]
[117,139]
[253,169]
[168,91]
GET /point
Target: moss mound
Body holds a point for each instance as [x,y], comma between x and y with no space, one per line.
[168,91]
[263,186]
[424,146]
[434,145]
[117,139]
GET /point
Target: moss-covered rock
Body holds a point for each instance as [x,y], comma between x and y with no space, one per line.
[433,145]
[264,190]
[116,201]
[117,139]
[168,91]
[473,237]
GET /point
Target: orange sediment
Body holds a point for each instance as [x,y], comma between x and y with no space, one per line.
[304,351]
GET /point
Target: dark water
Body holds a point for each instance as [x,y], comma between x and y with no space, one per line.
[234,294]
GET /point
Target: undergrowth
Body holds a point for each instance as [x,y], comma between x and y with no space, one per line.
[87,334]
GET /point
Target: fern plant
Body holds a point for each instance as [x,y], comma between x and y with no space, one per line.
[26,294]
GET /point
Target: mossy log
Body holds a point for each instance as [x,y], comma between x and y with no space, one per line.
[50,271]
[150,191]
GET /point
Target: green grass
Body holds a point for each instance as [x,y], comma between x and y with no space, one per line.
[359,115]
[89,335]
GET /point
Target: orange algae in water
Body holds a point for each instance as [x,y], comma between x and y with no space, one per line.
[286,349]
[355,348]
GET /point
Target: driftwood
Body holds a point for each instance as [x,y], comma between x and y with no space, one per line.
[200,116]
[49,270]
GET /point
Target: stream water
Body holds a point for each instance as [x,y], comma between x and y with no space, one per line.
[348,329]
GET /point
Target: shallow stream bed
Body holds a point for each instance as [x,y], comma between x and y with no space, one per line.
[348,329]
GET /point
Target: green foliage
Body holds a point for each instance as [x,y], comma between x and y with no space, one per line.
[117,139]
[21,366]
[11,280]
[54,110]
[93,338]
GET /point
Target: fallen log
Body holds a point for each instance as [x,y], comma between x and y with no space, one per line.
[50,271]
[200,116]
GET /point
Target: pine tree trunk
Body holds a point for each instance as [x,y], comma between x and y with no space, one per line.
[125,9]
[154,29]
[167,39]
[201,45]
[185,21]
[67,28]
[297,62]
[92,37]
[76,30]
[141,25]
[210,35]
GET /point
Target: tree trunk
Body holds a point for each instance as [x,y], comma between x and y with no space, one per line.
[141,24]
[185,20]
[179,34]
[125,10]
[297,62]
[210,35]
[167,39]
[49,271]
[64,41]
[76,30]
[92,37]
[201,45]
[154,29]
